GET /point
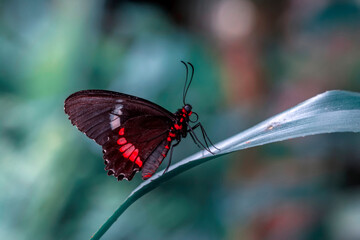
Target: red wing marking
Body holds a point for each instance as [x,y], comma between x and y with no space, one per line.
[139,162]
[134,155]
[163,155]
[121,141]
[169,139]
[147,176]
[183,110]
[167,147]
[125,147]
[172,134]
[190,113]
[129,151]
[181,119]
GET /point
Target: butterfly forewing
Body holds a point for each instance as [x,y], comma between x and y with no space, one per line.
[130,129]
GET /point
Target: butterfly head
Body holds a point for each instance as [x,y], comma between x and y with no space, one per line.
[186,111]
[187,108]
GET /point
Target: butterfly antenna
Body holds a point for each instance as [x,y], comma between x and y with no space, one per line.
[191,78]
[187,74]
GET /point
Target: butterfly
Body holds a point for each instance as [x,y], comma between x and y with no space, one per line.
[135,134]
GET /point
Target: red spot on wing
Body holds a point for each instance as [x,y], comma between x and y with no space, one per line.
[181,119]
[183,110]
[167,147]
[134,155]
[163,155]
[168,139]
[139,162]
[177,127]
[121,141]
[147,176]
[190,113]
[127,153]
[126,146]
[121,131]
[172,134]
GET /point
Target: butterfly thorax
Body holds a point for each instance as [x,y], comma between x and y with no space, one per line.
[180,127]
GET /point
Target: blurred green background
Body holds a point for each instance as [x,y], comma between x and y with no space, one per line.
[253,59]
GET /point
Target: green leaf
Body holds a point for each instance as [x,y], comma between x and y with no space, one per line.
[332,111]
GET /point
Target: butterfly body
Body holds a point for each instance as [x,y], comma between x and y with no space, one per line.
[135,134]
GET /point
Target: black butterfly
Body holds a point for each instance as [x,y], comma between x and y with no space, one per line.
[135,134]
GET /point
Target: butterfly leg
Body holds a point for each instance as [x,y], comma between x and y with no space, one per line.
[205,136]
[193,135]
[197,144]
[171,152]
[202,131]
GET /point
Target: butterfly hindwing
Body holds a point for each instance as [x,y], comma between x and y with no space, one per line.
[155,159]
[131,145]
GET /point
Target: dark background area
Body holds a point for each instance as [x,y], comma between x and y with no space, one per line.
[252,58]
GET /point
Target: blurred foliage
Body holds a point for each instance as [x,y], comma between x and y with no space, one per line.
[252,59]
